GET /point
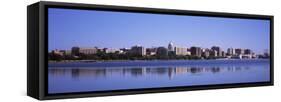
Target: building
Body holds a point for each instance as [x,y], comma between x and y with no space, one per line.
[171,47]
[162,51]
[151,51]
[111,50]
[230,51]
[181,51]
[195,51]
[58,52]
[239,51]
[206,53]
[223,54]
[125,50]
[138,50]
[266,53]
[76,51]
[218,50]
[213,53]
[88,51]
[248,52]
[62,52]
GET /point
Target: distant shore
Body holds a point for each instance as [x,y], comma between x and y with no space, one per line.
[97,61]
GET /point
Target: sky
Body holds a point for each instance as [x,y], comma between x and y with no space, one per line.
[108,29]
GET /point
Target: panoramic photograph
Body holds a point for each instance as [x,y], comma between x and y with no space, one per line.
[91,51]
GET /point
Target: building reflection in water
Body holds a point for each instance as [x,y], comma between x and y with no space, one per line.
[76,73]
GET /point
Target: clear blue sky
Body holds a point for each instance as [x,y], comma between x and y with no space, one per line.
[85,28]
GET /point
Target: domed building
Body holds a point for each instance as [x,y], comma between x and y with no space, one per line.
[171,47]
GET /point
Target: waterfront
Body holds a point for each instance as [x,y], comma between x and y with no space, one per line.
[101,76]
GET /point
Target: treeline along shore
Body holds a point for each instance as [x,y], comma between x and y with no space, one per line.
[103,57]
[100,56]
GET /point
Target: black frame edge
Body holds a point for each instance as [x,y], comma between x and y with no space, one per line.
[32,50]
[272,50]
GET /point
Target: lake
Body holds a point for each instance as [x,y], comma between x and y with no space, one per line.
[117,75]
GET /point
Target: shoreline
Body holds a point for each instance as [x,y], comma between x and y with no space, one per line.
[98,61]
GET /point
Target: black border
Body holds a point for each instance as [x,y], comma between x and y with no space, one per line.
[44,5]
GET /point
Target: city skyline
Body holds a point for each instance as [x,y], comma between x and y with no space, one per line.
[167,47]
[149,30]
[170,52]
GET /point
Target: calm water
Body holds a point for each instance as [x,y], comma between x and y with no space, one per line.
[101,76]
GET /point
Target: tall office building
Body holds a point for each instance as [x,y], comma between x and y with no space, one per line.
[195,51]
[239,51]
[248,52]
[205,53]
[138,50]
[223,54]
[230,51]
[213,53]
[218,50]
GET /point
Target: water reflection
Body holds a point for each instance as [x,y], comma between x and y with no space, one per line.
[104,72]
[80,77]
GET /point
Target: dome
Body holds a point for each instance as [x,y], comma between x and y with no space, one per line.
[170,46]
